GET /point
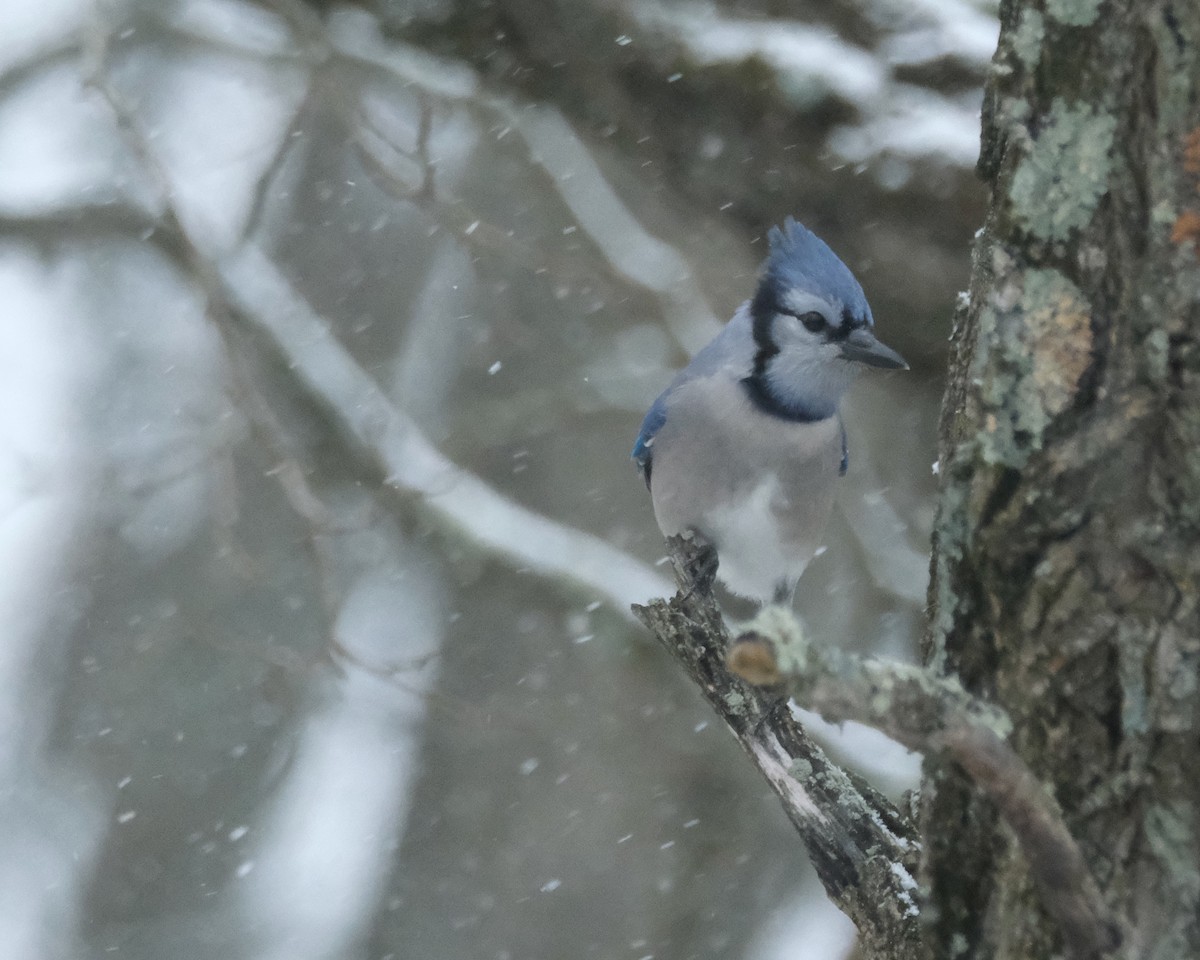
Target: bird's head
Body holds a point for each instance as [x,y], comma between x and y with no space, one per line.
[813,329]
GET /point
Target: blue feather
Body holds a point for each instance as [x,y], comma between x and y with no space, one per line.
[799,259]
[655,418]
[746,442]
[715,354]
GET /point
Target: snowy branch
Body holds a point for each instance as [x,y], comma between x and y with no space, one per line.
[244,284]
[263,297]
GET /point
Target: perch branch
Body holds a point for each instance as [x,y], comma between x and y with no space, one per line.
[863,849]
[934,714]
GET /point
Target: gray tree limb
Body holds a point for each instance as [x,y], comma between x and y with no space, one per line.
[864,850]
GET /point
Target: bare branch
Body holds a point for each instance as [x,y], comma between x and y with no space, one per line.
[934,714]
[864,850]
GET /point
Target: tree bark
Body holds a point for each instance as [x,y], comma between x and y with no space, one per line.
[1067,547]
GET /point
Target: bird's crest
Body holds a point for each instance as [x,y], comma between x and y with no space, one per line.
[799,259]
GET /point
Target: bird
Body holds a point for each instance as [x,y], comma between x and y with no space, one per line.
[746,444]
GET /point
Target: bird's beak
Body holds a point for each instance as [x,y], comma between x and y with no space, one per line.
[862,347]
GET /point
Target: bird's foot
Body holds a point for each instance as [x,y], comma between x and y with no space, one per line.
[695,561]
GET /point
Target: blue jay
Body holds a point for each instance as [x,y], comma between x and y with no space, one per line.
[746,444]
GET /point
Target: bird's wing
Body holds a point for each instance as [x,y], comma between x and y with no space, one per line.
[655,418]
[731,352]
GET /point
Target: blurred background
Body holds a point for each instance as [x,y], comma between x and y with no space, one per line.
[326,330]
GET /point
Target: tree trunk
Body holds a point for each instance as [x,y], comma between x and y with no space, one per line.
[1067,549]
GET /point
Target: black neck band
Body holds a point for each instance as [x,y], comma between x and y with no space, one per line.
[758,387]
[760,394]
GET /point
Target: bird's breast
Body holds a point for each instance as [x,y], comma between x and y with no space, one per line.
[722,462]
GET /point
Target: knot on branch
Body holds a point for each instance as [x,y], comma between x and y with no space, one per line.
[752,657]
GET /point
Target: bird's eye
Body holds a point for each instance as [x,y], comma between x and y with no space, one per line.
[813,322]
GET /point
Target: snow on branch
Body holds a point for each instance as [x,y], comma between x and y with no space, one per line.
[260,293]
[810,62]
[244,283]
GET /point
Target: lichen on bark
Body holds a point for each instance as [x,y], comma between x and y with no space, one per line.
[1058,185]
[1075,13]
[1065,570]
[1035,345]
